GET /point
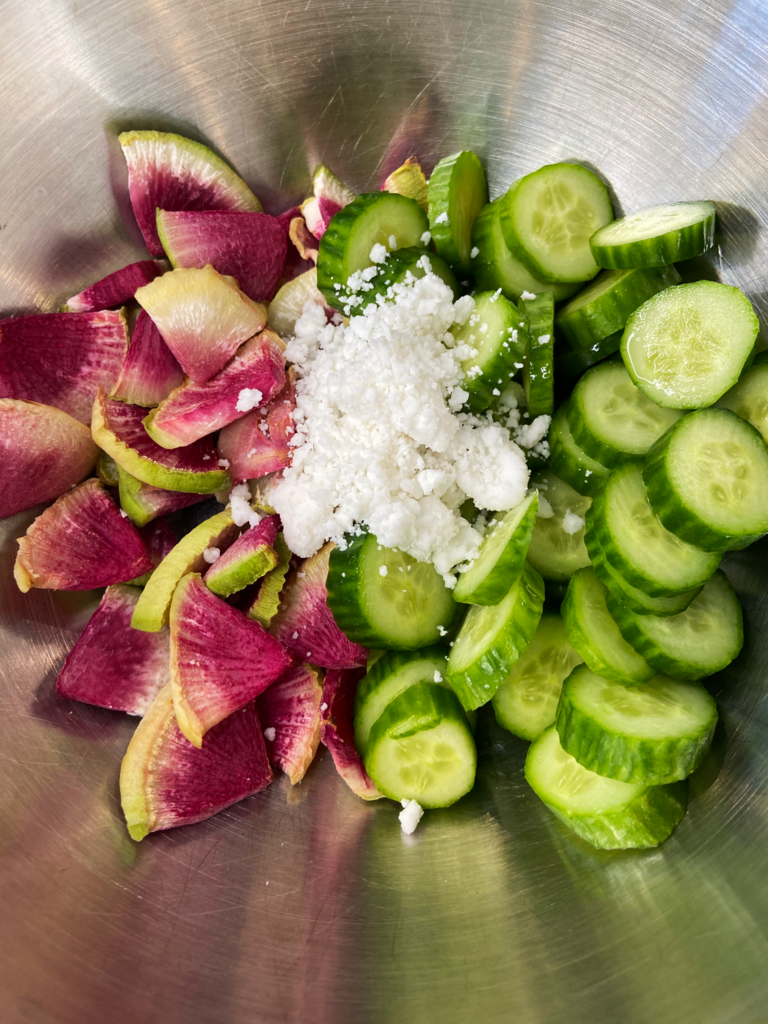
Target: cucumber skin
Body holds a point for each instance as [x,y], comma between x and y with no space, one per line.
[399,263]
[572,363]
[628,759]
[538,370]
[476,684]
[669,247]
[439,190]
[506,572]
[673,512]
[502,366]
[563,464]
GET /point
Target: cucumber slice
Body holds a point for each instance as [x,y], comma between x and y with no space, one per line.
[421,748]
[458,191]
[497,331]
[570,462]
[656,236]
[703,639]
[574,362]
[638,546]
[492,638]
[548,217]
[652,734]
[538,378]
[382,598]
[495,267]
[748,398]
[398,265]
[554,552]
[687,345]
[606,304]
[611,419]
[371,219]
[608,814]
[594,633]
[707,480]
[502,556]
[526,702]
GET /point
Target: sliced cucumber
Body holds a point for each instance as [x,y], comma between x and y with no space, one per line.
[421,748]
[610,418]
[548,218]
[608,814]
[371,219]
[538,376]
[497,331]
[526,702]
[652,734]
[458,191]
[594,633]
[397,267]
[748,398]
[686,346]
[703,639]
[554,552]
[574,362]
[570,462]
[606,304]
[382,598]
[656,236]
[502,556]
[638,546]
[707,480]
[492,638]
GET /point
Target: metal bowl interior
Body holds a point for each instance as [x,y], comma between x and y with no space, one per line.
[308,904]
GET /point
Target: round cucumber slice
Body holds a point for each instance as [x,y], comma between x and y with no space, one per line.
[526,702]
[610,815]
[653,733]
[538,374]
[686,346]
[421,748]
[396,269]
[703,639]
[656,236]
[748,398]
[570,462]
[707,480]
[555,552]
[548,217]
[574,362]
[497,331]
[502,556]
[382,598]
[458,191]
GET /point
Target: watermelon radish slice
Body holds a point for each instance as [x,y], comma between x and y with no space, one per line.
[247,560]
[61,359]
[118,429]
[325,185]
[252,377]
[294,265]
[409,180]
[251,247]
[306,244]
[338,732]
[115,289]
[107,469]
[317,214]
[169,172]
[165,781]
[220,660]
[289,711]
[266,603]
[112,665]
[288,305]
[81,542]
[152,610]
[259,443]
[43,452]
[150,371]
[203,317]
[143,503]
[160,541]
[304,623]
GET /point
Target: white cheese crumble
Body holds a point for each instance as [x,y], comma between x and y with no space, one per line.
[383,570]
[426,238]
[474,252]
[269,734]
[410,816]
[437,677]
[224,463]
[240,504]
[527,296]
[378,254]
[211,555]
[572,523]
[248,399]
[123,513]
[392,242]
[443,218]
[544,338]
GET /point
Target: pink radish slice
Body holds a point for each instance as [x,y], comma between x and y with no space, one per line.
[150,371]
[338,733]
[115,289]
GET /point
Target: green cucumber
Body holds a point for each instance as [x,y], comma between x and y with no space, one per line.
[526,702]
[496,330]
[748,397]
[548,217]
[554,552]
[383,598]
[421,747]
[707,480]
[458,191]
[652,734]
[492,638]
[610,418]
[686,346]
[501,558]
[399,264]
[538,377]
[594,633]
[702,640]
[606,304]
[656,236]
[608,814]
[638,546]
[574,362]
[570,462]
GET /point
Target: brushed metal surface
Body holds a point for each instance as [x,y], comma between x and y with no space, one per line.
[308,905]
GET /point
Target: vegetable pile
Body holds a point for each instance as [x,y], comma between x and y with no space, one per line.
[593,607]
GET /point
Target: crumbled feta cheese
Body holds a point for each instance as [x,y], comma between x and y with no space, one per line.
[224,463]
[572,523]
[211,555]
[527,295]
[442,630]
[323,706]
[378,253]
[383,570]
[438,678]
[248,399]
[545,510]
[426,238]
[269,734]
[295,635]
[528,435]
[410,816]
[123,513]
[443,218]
[206,458]
[544,338]
[392,241]
[474,252]
[240,504]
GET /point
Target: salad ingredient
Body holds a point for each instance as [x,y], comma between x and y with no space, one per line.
[337,731]
[247,560]
[495,337]
[150,371]
[571,463]
[259,442]
[409,180]
[143,502]
[748,397]
[289,711]
[538,370]
[457,192]
[656,236]
[115,289]
[267,601]
[553,551]
[573,362]
[400,266]
[107,470]
[330,195]
[502,555]
[288,305]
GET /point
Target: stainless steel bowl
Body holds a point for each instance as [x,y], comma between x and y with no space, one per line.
[307,905]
